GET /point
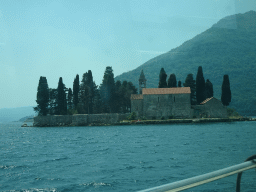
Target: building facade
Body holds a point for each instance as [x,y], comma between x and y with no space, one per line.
[156,103]
[162,102]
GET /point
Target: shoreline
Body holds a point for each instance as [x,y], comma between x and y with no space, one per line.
[157,122]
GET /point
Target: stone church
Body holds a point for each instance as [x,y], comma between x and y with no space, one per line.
[154,103]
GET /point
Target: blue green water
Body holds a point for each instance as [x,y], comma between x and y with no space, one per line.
[122,158]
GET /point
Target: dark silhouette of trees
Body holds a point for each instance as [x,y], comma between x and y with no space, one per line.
[162,79]
[52,101]
[179,83]
[70,99]
[87,92]
[76,91]
[107,91]
[200,86]
[190,82]
[42,97]
[172,82]
[208,89]
[226,92]
[61,98]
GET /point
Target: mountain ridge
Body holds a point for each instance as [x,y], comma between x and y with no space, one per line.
[228,47]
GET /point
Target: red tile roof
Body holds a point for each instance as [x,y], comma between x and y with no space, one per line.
[162,91]
[206,100]
[136,97]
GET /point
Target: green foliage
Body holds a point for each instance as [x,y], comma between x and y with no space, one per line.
[200,86]
[143,118]
[70,98]
[226,92]
[208,89]
[76,91]
[172,82]
[72,112]
[162,79]
[162,118]
[190,82]
[153,118]
[107,91]
[179,83]
[42,97]
[52,101]
[232,112]
[132,116]
[61,99]
[171,117]
[87,92]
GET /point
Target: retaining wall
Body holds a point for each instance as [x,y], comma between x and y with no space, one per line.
[78,120]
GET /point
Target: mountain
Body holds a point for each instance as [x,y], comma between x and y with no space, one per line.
[14,114]
[228,47]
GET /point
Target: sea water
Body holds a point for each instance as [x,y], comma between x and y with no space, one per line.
[122,158]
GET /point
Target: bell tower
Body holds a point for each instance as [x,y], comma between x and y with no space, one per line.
[142,81]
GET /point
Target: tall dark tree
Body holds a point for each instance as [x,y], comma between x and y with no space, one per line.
[226,92]
[107,91]
[190,82]
[76,91]
[87,89]
[162,79]
[130,89]
[42,97]
[172,82]
[97,106]
[200,86]
[53,101]
[119,96]
[208,89]
[179,83]
[61,98]
[70,99]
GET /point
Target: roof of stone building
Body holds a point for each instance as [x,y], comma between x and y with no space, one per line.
[142,76]
[206,100]
[136,97]
[163,91]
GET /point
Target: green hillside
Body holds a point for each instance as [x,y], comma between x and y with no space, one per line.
[228,47]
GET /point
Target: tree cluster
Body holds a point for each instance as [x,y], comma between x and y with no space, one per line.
[200,89]
[85,97]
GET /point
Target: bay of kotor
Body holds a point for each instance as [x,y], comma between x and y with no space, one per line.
[122,158]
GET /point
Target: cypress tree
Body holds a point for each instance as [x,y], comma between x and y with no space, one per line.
[200,86]
[226,92]
[53,101]
[208,89]
[190,82]
[162,79]
[42,97]
[107,91]
[61,98]
[179,83]
[88,88]
[172,82]
[75,91]
[70,98]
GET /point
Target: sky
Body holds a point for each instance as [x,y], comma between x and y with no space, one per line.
[62,38]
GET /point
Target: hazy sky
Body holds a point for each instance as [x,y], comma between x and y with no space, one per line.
[62,38]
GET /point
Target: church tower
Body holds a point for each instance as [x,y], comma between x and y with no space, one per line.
[142,81]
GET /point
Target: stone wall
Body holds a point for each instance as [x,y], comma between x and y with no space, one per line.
[78,119]
[137,107]
[212,108]
[215,109]
[167,105]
